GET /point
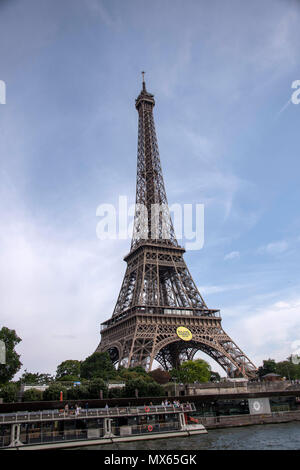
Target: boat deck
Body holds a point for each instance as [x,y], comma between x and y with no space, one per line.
[54,415]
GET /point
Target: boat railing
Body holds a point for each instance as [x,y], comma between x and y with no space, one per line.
[46,415]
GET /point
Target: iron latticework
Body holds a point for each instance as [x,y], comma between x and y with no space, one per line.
[158,293]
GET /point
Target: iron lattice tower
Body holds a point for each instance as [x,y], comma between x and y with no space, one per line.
[158,293]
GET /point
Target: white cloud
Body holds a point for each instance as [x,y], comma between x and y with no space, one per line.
[268,331]
[232,255]
[55,292]
[274,248]
[218,289]
[97,8]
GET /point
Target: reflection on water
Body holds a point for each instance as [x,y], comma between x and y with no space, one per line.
[261,437]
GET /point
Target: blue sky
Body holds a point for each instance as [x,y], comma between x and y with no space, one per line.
[228,135]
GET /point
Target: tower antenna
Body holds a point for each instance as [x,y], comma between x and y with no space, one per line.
[144,84]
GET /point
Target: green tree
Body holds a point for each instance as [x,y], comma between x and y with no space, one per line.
[95,386]
[283,368]
[53,392]
[69,378]
[79,392]
[13,363]
[68,368]
[145,388]
[36,378]
[9,392]
[98,365]
[192,371]
[135,384]
[127,374]
[288,369]
[33,395]
[139,370]
[115,393]
[268,367]
[154,389]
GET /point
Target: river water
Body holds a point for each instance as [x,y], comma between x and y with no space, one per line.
[284,436]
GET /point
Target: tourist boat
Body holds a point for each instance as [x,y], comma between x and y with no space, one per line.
[62,429]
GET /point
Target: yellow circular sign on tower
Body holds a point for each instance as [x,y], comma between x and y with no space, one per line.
[184,333]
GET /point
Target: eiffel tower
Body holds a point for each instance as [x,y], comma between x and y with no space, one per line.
[160,314]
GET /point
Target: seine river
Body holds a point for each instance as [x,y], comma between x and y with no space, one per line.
[284,436]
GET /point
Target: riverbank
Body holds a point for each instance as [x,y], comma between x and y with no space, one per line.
[215,422]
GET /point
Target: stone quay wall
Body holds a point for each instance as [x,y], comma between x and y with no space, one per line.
[214,422]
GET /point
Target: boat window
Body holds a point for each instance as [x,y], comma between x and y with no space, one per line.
[5,431]
[132,420]
[94,423]
[171,418]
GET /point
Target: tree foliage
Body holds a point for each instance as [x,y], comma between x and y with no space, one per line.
[268,367]
[68,368]
[98,365]
[95,386]
[53,392]
[13,363]
[9,392]
[36,378]
[160,376]
[115,393]
[144,388]
[78,392]
[286,368]
[134,373]
[192,371]
[33,395]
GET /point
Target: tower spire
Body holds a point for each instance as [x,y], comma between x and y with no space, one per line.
[143,83]
[152,221]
